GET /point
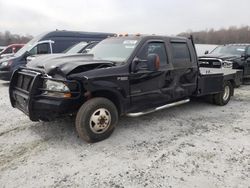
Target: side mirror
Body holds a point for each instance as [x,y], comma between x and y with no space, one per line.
[26,54]
[134,65]
[153,62]
[206,52]
[85,51]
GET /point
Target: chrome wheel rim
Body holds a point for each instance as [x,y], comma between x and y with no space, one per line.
[226,93]
[100,121]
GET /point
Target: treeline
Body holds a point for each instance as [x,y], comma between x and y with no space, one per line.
[222,36]
[7,38]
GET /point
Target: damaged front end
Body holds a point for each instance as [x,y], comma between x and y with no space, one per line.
[42,97]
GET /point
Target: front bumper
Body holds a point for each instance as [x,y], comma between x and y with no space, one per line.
[26,94]
[49,109]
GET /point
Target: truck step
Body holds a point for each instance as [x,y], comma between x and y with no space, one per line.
[137,114]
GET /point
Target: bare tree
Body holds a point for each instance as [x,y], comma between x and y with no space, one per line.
[223,36]
[7,38]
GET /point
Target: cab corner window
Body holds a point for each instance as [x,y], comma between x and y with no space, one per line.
[180,51]
[154,48]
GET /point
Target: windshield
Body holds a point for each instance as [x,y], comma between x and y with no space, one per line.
[230,50]
[27,46]
[114,49]
[75,48]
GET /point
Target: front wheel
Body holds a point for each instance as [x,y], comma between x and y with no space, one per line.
[96,119]
[224,97]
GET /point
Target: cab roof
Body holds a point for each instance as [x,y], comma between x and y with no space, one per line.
[77,34]
[147,36]
[237,44]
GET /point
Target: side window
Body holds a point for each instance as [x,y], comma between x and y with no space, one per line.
[154,48]
[88,47]
[60,45]
[8,51]
[17,48]
[43,48]
[180,51]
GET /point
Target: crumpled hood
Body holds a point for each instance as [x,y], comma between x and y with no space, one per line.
[63,64]
[223,57]
[32,57]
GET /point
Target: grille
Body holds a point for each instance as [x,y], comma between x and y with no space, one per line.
[24,81]
[210,63]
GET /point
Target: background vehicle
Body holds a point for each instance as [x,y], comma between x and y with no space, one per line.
[202,49]
[82,47]
[46,43]
[236,56]
[10,50]
[131,75]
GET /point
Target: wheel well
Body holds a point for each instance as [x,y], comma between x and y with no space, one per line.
[109,95]
[232,83]
[233,86]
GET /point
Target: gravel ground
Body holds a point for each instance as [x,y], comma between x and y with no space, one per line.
[193,145]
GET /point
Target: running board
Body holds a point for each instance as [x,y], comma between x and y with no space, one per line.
[137,114]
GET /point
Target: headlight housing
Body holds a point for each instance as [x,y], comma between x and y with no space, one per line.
[56,89]
[58,86]
[6,63]
[227,64]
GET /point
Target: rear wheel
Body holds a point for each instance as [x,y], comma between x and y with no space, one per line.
[224,97]
[96,119]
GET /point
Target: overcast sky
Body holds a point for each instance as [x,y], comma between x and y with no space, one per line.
[122,16]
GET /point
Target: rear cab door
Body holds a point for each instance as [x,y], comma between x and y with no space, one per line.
[184,76]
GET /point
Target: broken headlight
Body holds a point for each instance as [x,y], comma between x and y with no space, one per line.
[56,89]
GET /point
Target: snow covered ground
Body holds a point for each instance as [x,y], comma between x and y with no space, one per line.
[193,145]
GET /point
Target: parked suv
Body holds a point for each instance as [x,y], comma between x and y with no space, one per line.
[46,43]
[79,48]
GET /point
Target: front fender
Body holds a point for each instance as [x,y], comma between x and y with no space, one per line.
[116,92]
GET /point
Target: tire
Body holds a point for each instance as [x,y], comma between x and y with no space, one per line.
[224,97]
[96,119]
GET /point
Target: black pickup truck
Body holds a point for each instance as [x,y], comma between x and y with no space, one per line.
[233,56]
[128,75]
